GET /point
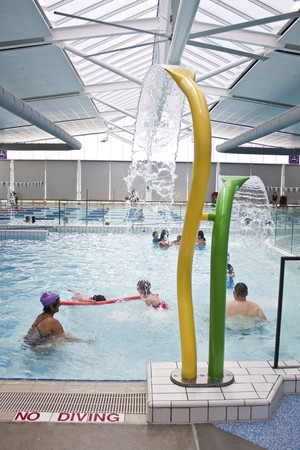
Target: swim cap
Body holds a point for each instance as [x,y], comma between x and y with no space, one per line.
[48,298]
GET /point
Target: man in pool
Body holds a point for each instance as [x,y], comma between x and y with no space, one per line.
[144,289]
[45,326]
[240,306]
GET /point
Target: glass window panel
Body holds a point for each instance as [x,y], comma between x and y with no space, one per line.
[289,347]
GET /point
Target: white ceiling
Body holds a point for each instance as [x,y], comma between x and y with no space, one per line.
[86,76]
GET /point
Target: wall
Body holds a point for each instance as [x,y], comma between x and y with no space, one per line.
[104,180]
[30,171]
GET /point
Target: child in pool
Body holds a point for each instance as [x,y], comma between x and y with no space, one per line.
[163,240]
[178,240]
[230,274]
[87,298]
[155,239]
[144,289]
[201,241]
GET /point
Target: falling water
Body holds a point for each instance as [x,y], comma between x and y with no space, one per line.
[250,209]
[152,172]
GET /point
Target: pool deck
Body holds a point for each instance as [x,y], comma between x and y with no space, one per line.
[254,395]
[150,414]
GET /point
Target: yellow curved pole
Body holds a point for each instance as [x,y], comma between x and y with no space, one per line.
[197,194]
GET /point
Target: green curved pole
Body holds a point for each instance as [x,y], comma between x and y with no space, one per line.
[218,269]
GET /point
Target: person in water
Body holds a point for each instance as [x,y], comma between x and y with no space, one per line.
[155,239]
[240,306]
[87,298]
[144,289]
[201,241]
[230,274]
[164,239]
[177,241]
[45,326]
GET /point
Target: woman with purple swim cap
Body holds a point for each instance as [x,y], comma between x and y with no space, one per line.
[45,326]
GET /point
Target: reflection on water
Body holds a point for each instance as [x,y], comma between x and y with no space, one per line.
[122,337]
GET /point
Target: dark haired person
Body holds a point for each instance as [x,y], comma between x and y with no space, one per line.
[87,298]
[230,274]
[144,289]
[240,306]
[45,326]
[201,241]
[164,239]
[155,239]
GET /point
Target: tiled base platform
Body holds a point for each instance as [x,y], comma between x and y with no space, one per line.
[254,394]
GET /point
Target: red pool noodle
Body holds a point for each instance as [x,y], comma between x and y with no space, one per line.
[114,300]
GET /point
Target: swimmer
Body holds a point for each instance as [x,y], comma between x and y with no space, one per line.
[240,306]
[155,239]
[230,274]
[178,240]
[163,240]
[144,289]
[45,326]
[87,298]
[201,241]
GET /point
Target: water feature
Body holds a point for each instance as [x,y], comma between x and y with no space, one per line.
[154,151]
[251,212]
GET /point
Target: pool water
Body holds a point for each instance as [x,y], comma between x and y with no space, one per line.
[120,339]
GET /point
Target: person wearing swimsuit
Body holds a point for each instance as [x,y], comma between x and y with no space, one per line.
[45,326]
[144,289]
[87,298]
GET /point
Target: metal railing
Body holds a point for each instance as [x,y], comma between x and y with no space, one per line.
[95,213]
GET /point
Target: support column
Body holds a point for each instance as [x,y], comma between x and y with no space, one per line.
[218,169]
[187,181]
[45,180]
[12,175]
[109,181]
[282,181]
[11,186]
[78,194]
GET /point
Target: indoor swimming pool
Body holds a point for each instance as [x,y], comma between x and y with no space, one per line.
[118,340]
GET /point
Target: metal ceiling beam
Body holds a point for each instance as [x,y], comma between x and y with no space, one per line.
[117,126]
[166,13]
[262,39]
[280,122]
[221,69]
[120,49]
[232,51]
[21,109]
[242,25]
[117,25]
[114,86]
[110,105]
[121,138]
[100,30]
[104,64]
[184,21]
